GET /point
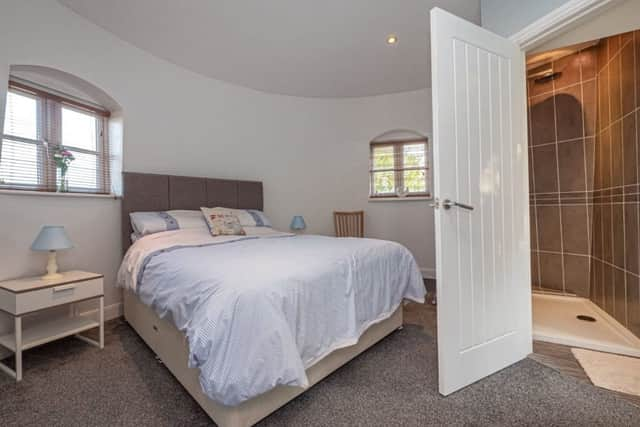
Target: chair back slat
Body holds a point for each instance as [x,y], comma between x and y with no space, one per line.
[349,224]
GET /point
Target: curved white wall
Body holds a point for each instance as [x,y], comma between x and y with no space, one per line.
[311,154]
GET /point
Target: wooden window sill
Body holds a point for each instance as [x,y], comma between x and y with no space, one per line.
[56,194]
[400,199]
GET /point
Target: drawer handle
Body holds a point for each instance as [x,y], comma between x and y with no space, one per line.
[64,288]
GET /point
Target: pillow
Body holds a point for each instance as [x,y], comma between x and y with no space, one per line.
[252,218]
[222,222]
[248,217]
[145,223]
[263,232]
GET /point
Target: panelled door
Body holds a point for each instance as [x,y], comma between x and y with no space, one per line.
[481,189]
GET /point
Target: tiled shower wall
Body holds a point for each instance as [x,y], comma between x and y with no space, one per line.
[562,127]
[585,177]
[615,258]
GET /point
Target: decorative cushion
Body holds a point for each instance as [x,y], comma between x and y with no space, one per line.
[249,217]
[222,221]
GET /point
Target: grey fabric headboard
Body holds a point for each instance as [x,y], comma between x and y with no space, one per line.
[151,192]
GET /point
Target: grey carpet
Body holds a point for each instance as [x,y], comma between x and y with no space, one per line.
[395,383]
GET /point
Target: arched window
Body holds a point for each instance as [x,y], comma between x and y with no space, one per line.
[54,141]
[399,165]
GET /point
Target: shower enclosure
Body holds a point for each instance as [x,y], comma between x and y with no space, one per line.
[584,163]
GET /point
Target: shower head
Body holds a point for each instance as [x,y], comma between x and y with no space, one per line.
[543,73]
[547,77]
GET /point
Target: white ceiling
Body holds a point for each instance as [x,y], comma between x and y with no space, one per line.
[314,48]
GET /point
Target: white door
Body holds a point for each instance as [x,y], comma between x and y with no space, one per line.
[482,211]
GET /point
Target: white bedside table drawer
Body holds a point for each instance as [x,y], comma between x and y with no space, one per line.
[27,302]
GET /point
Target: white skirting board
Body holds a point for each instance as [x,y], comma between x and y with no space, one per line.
[112,311]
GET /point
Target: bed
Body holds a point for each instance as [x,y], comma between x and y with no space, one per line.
[245,341]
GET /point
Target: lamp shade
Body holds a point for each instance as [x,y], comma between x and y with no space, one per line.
[51,238]
[297,223]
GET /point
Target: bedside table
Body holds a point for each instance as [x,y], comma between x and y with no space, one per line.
[20,297]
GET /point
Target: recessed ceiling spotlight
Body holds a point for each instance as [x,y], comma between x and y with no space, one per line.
[392,39]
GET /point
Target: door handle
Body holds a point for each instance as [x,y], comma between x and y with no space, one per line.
[448,204]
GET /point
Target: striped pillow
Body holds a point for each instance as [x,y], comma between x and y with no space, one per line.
[144,223]
[252,218]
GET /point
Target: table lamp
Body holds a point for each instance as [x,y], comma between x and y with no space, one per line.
[51,238]
[297,223]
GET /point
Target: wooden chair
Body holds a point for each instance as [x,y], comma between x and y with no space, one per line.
[349,224]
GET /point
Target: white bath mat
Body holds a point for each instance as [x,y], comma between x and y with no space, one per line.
[610,371]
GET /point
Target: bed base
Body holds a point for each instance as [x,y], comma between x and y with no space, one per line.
[170,345]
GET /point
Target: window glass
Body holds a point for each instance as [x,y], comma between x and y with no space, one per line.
[18,163]
[414,181]
[413,155]
[78,130]
[82,172]
[384,182]
[21,116]
[383,157]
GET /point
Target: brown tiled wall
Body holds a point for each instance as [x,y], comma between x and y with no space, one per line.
[562,130]
[585,177]
[615,276]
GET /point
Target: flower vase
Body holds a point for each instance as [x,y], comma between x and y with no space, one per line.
[63,186]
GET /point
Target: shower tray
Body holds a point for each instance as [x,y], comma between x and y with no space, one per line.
[555,319]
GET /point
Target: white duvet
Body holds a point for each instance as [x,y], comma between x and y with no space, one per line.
[258,310]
